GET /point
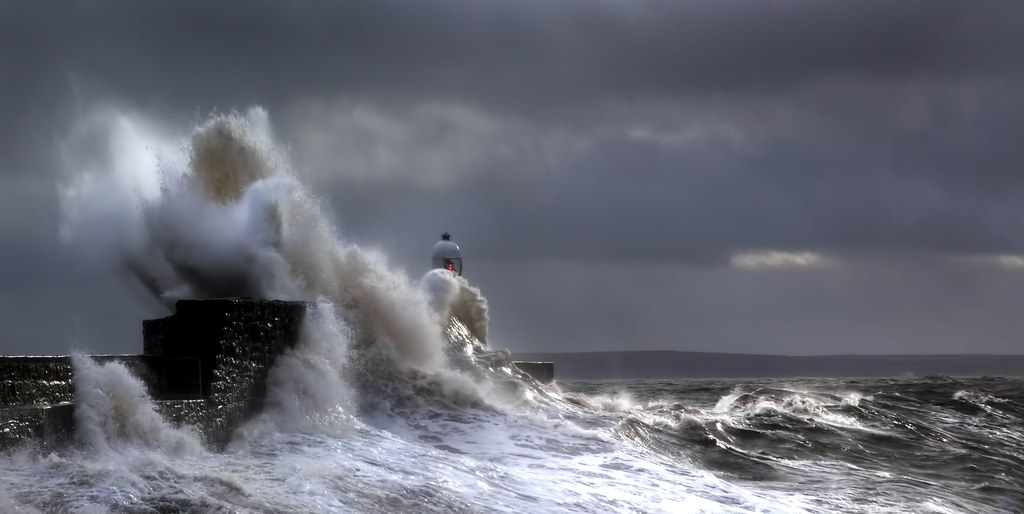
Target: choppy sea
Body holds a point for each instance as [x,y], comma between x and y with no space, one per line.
[424,444]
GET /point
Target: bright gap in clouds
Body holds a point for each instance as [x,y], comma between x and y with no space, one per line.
[1005,261]
[773,259]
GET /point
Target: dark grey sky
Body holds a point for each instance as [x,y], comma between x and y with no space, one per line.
[755,176]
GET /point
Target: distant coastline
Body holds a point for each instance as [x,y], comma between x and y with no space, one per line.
[675,364]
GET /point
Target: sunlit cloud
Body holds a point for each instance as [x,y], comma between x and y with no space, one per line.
[773,259]
[1004,261]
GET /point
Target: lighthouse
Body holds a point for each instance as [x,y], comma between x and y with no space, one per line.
[447,255]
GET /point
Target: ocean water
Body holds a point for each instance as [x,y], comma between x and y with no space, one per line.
[932,444]
[384,406]
[497,442]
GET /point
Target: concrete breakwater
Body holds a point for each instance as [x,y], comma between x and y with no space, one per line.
[205,366]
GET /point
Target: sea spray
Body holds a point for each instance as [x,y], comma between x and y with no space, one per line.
[230,153]
[115,162]
[228,218]
[113,409]
[452,295]
[308,387]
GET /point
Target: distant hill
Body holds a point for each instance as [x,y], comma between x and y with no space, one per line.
[671,364]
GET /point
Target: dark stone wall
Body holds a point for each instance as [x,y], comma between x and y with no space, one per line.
[47,380]
[221,332]
[205,365]
[230,344]
[36,395]
[35,380]
[49,425]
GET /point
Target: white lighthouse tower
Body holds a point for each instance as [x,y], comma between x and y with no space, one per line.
[447,255]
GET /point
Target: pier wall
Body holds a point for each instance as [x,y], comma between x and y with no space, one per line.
[205,365]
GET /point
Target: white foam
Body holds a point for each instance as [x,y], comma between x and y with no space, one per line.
[977,398]
[452,295]
[618,402]
[112,408]
[307,388]
[807,405]
[12,506]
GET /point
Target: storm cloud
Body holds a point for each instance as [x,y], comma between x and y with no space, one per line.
[779,177]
